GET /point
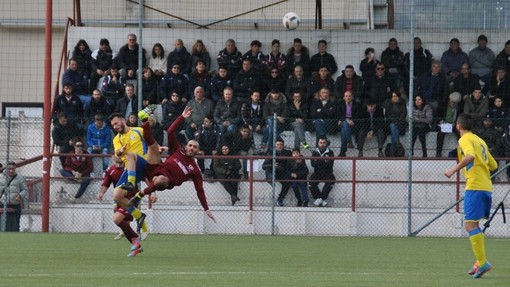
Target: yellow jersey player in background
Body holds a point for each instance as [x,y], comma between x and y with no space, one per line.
[476,162]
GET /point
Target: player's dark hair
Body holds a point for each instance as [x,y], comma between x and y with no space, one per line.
[465,121]
[115,115]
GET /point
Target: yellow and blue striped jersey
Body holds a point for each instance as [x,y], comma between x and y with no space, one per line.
[133,140]
[477,172]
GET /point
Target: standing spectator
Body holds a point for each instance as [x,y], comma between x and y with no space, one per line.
[127,58]
[157,61]
[200,108]
[422,59]
[447,115]
[83,57]
[129,103]
[98,105]
[63,133]
[199,52]
[78,167]
[379,86]
[172,108]
[477,106]
[227,169]
[174,80]
[503,58]
[371,124]
[322,163]
[276,59]
[276,103]
[113,85]
[245,81]
[298,55]
[422,118]
[150,88]
[69,103]
[322,79]
[79,81]
[200,77]
[299,174]
[298,81]
[324,113]
[368,64]
[274,80]
[323,58]
[394,61]
[349,81]
[179,56]
[227,113]
[281,169]
[298,118]
[218,83]
[500,86]
[452,60]
[395,110]
[99,139]
[13,191]
[102,60]
[482,60]
[256,57]
[349,112]
[433,86]
[230,57]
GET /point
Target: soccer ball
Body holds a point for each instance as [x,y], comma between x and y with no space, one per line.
[291,21]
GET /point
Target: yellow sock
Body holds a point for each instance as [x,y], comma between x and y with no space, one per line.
[145,228]
[136,213]
[478,245]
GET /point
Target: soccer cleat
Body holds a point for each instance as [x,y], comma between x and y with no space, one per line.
[135,200]
[135,252]
[144,114]
[473,269]
[119,236]
[128,186]
[482,270]
[139,222]
[305,145]
[136,247]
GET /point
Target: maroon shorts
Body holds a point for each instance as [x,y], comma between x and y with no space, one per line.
[155,170]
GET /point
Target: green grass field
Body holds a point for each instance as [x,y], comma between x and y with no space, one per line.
[36,259]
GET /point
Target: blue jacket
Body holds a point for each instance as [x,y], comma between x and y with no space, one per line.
[99,136]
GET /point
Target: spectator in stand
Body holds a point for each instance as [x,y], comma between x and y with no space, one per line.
[298,55]
[63,133]
[150,88]
[323,111]
[274,80]
[275,103]
[174,80]
[78,167]
[129,103]
[298,81]
[245,81]
[13,191]
[252,115]
[452,60]
[322,164]
[349,81]
[102,60]
[349,112]
[69,103]
[322,79]
[242,144]
[500,86]
[299,174]
[422,118]
[256,57]
[276,59]
[99,139]
[157,61]
[433,86]
[172,107]
[79,81]
[368,64]
[477,106]
[83,56]
[113,85]
[422,60]
[227,169]
[208,137]
[199,52]
[298,119]
[323,58]
[200,107]
[503,58]
[498,113]
[128,58]
[394,61]
[371,123]
[218,84]
[98,105]
[448,115]
[466,81]
[227,113]
[379,86]
[491,136]
[200,77]
[179,56]
[132,120]
[482,59]
[395,110]
[281,169]
[230,58]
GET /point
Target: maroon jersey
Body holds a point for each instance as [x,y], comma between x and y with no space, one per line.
[112,175]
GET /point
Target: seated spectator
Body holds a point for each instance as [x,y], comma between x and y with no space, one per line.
[218,83]
[256,57]
[79,81]
[498,113]
[322,163]
[422,59]
[466,81]
[499,86]
[200,77]
[394,61]
[433,85]
[230,58]
[491,136]
[208,137]
[227,170]
[157,129]
[174,80]
[481,59]
[371,123]
[299,174]
[98,105]
[69,103]
[396,119]
[276,59]
[13,191]
[241,143]
[281,169]
[368,64]
[78,167]
[127,58]
[129,103]
[349,81]
[200,107]
[323,112]
[349,112]
[252,115]
[422,118]
[322,79]
[199,52]
[298,55]
[179,56]
[276,103]
[298,119]
[102,60]
[150,88]
[157,61]
[113,85]
[298,81]
[477,106]
[227,113]
[379,85]
[452,60]
[172,108]
[132,119]
[99,139]
[83,56]
[503,58]
[63,133]
[323,58]
[447,115]
[245,81]
[274,80]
